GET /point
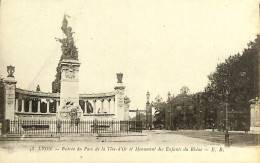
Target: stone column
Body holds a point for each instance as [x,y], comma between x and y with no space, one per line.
[102,106]
[39,106]
[57,105]
[48,106]
[9,94]
[112,106]
[119,98]
[85,107]
[109,111]
[22,110]
[16,105]
[30,105]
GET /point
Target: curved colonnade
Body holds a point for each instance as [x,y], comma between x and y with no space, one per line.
[41,103]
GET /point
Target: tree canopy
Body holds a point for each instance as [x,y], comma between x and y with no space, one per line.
[232,85]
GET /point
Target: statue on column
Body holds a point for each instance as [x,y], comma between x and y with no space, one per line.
[69,50]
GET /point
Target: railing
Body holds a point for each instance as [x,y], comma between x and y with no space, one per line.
[39,127]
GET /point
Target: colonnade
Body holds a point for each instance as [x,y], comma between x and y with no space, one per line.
[105,106]
[38,109]
[99,105]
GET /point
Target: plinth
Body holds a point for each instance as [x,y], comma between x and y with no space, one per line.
[69,93]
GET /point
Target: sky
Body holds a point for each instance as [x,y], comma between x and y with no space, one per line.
[159,46]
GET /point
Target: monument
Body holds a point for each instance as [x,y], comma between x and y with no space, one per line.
[69,97]
[65,109]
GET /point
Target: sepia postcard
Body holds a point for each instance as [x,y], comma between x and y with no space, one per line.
[129,81]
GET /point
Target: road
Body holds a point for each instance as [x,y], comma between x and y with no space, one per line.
[161,146]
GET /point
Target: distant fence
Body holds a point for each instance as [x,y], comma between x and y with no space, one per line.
[39,127]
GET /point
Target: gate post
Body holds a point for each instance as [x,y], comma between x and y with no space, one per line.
[9,96]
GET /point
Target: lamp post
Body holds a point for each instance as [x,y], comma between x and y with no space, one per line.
[227,111]
[227,94]
[148,112]
[169,111]
[199,111]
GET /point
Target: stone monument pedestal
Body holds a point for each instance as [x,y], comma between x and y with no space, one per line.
[69,94]
[10,84]
[121,101]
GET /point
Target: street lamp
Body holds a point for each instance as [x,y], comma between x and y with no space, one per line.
[148,112]
[199,111]
[169,111]
[227,109]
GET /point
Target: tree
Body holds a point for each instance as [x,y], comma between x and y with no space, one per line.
[56,82]
[183,110]
[232,85]
[159,116]
[234,82]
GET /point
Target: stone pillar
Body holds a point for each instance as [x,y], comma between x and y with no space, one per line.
[48,106]
[109,109]
[22,110]
[57,105]
[30,105]
[39,106]
[85,107]
[9,92]
[119,98]
[254,115]
[16,105]
[113,106]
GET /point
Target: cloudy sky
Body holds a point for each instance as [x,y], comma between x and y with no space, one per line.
[159,46]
